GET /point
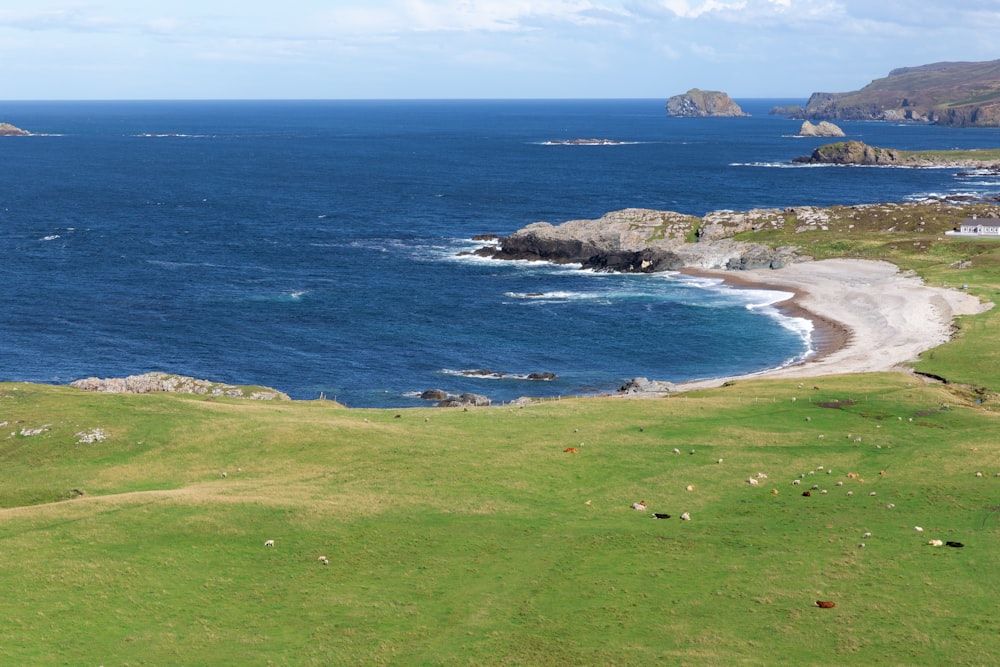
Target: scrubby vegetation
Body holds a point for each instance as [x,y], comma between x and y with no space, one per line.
[473,537]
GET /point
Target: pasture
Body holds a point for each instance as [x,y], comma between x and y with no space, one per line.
[459,537]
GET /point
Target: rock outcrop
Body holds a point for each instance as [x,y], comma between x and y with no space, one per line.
[8,130]
[858,153]
[960,94]
[179,384]
[852,152]
[822,129]
[697,103]
[646,241]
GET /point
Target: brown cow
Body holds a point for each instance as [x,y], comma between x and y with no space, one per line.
[825,604]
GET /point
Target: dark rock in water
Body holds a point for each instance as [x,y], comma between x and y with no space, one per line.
[464,401]
[643,261]
[541,376]
[434,395]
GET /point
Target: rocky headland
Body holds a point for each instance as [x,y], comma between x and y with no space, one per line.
[697,103]
[8,130]
[859,153]
[959,94]
[646,241]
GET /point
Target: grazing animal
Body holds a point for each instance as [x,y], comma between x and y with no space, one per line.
[752,482]
[676,451]
[918,529]
[689,487]
[639,506]
[871,493]
[269,543]
[867,534]
[774,492]
[957,545]
[685,517]
[796,482]
[571,450]
[979,474]
[825,604]
[761,475]
[659,515]
[890,505]
[853,475]
[840,483]
[719,461]
[806,493]
[324,560]
[850,493]
[936,543]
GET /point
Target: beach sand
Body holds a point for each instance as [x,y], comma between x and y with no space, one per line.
[868,317]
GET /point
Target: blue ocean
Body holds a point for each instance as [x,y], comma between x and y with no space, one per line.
[320,247]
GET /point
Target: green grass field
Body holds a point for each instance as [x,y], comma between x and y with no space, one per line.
[472,538]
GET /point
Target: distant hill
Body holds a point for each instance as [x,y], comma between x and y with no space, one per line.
[959,94]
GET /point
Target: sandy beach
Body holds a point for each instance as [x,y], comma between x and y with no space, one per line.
[868,316]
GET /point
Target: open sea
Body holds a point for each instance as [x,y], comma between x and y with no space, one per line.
[316,246]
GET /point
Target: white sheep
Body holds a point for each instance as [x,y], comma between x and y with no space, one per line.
[324,560]
[685,517]
[979,474]
[269,543]
[676,451]
[752,482]
[918,529]
[796,482]
[224,475]
[761,475]
[867,534]
[936,543]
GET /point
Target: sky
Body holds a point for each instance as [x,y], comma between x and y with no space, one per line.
[475,49]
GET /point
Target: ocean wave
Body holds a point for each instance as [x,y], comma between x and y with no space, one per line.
[483,374]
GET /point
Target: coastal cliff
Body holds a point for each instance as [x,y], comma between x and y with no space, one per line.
[647,241]
[697,103]
[958,94]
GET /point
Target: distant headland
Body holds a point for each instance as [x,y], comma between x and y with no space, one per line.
[957,94]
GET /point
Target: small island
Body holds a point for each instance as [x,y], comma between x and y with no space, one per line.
[8,130]
[697,103]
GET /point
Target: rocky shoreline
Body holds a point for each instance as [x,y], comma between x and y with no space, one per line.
[646,241]
[149,383]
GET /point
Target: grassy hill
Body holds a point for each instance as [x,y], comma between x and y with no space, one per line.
[947,93]
[471,537]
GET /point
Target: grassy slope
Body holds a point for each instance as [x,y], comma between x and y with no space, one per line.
[465,538]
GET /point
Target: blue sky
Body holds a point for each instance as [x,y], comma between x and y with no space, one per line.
[388,49]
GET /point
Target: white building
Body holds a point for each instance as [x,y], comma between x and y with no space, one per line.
[989,227]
